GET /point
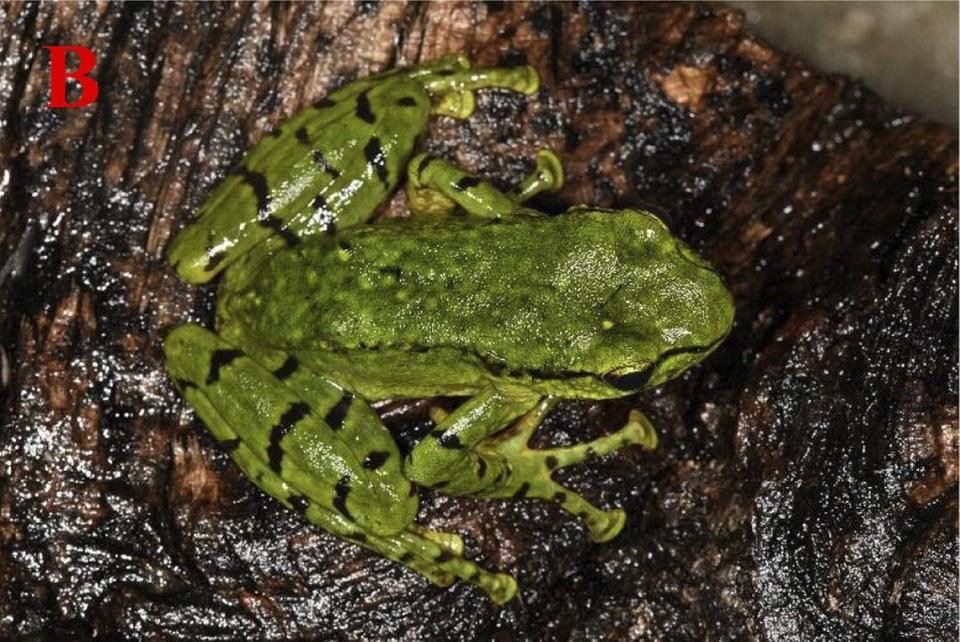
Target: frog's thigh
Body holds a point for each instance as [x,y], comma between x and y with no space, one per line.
[317,437]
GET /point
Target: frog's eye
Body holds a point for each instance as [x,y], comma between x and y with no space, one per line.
[661,213]
[634,380]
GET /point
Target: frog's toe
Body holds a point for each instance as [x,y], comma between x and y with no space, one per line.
[502,588]
[609,527]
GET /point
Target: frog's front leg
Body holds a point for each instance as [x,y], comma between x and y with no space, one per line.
[318,450]
[435,187]
[467,454]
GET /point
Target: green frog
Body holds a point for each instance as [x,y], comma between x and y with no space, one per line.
[476,295]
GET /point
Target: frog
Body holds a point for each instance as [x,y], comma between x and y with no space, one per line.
[322,310]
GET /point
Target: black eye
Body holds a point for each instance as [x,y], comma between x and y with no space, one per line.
[631,380]
[660,213]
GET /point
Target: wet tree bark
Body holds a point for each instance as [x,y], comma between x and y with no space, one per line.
[805,487]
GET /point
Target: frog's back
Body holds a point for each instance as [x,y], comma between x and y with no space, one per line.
[534,292]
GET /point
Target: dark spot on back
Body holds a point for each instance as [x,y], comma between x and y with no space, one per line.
[375,459]
[396,272]
[220,359]
[338,413]
[559,497]
[301,135]
[373,152]
[444,556]
[407,101]
[284,425]
[551,462]
[363,110]
[288,368]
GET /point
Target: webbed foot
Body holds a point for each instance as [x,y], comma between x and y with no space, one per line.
[529,472]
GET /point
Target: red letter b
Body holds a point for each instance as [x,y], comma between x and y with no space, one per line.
[59,75]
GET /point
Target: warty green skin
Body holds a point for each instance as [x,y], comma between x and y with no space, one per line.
[319,312]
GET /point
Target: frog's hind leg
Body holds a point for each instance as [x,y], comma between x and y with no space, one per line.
[435,555]
[265,409]
[467,454]
[436,187]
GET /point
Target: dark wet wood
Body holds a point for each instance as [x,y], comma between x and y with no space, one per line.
[806,483]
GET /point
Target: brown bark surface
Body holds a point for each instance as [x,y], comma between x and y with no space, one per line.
[805,487]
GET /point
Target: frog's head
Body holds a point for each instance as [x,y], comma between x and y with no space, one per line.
[669,311]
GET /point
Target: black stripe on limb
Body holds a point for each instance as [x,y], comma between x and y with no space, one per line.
[450,441]
[324,103]
[422,165]
[214,260]
[287,369]
[373,152]
[258,183]
[220,359]
[522,491]
[298,503]
[184,384]
[302,136]
[340,496]
[338,413]
[375,459]
[284,425]
[363,110]
[277,225]
[229,445]
[466,183]
[324,165]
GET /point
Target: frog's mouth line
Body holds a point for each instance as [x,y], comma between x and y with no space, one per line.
[637,380]
[633,381]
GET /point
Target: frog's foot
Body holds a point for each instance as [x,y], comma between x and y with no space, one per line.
[436,187]
[527,472]
[451,82]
